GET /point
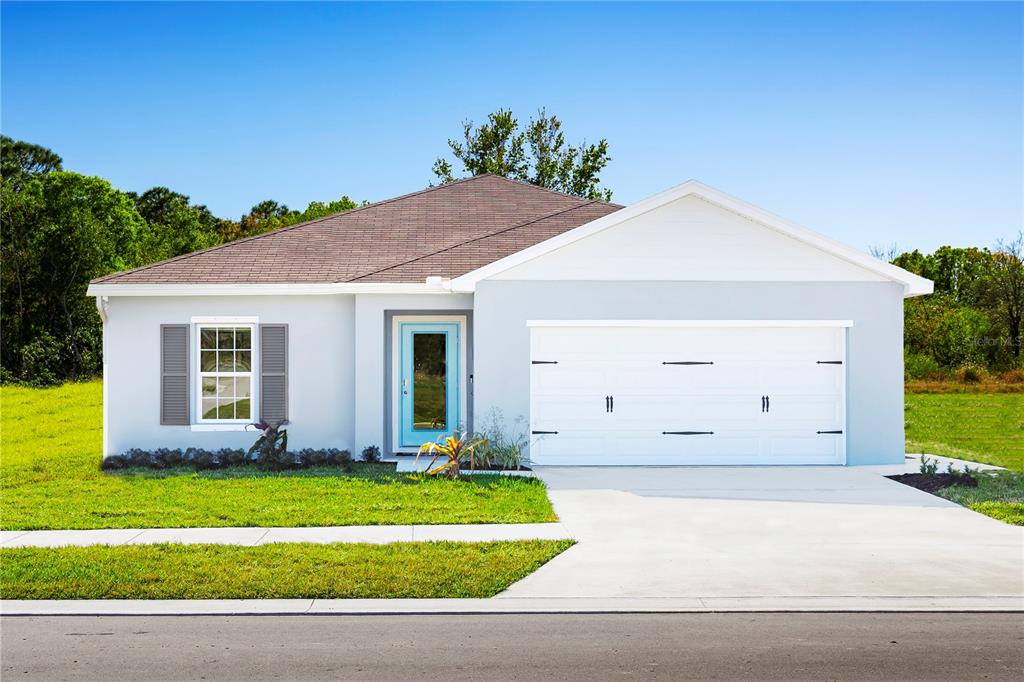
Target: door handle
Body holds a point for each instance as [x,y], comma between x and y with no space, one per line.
[611,403]
[762,403]
[767,403]
[405,387]
[607,403]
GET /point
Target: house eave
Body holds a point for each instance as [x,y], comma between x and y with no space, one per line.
[269,289]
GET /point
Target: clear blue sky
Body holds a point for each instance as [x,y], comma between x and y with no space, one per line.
[872,123]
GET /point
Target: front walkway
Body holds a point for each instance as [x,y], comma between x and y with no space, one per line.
[747,533]
[262,536]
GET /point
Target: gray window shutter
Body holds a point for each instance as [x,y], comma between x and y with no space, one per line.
[273,372]
[174,398]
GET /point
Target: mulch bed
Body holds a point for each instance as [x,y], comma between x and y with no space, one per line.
[930,484]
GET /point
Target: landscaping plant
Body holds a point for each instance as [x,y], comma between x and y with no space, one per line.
[451,451]
[503,447]
[271,448]
[371,453]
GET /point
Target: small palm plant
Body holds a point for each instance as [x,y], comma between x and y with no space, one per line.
[451,452]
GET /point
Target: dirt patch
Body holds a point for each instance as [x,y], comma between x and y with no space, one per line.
[930,484]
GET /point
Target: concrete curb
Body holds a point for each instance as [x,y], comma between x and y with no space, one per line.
[507,605]
[484,532]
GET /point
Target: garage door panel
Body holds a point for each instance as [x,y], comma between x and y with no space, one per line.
[802,445]
[792,366]
[796,411]
[569,379]
[686,412]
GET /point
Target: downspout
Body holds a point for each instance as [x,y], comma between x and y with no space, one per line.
[101,308]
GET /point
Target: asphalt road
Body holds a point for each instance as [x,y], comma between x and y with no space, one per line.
[850,646]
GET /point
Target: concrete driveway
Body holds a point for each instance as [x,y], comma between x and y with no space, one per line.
[768,532]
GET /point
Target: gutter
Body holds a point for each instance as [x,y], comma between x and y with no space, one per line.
[432,285]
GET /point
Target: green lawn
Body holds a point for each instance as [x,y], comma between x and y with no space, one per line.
[981,427]
[292,570]
[50,445]
[999,495]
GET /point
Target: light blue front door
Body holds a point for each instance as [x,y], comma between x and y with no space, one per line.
[429,381]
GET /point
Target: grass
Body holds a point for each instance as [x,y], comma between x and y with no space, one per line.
[981,427]
[999,494]
[292,570]
[50,449]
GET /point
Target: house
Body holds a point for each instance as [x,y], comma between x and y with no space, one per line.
[688,328]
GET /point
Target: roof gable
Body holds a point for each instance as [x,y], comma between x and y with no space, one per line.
[693,232]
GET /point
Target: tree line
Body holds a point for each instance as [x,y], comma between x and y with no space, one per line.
[972,324]
[60,229]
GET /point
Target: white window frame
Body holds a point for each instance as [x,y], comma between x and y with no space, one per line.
[199,323]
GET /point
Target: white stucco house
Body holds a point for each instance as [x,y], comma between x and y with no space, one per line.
[688,328]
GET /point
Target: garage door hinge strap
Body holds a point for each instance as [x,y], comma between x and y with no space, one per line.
[688,362]
[544,362]
[542,433]
[829,431]
[830,362]
[687,433]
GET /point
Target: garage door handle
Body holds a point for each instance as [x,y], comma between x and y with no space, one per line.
[543,433]
[762,402]
[829,432]
[767,403]
[688,362]
[611,403]
[830,362]
[607,403]
[687,433]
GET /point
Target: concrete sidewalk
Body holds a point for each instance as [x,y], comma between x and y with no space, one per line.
[378,535]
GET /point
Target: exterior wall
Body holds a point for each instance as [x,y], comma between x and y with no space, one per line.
[370,353]
[321,368]
[874,351]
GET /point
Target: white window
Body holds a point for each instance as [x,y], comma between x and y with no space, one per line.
[225,386]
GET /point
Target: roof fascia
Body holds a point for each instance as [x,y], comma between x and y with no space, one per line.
[284,289]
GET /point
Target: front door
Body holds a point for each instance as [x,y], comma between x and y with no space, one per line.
[429,381]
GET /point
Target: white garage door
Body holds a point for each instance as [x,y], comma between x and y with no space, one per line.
[688,392]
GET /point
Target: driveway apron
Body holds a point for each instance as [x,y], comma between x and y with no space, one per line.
[764,531]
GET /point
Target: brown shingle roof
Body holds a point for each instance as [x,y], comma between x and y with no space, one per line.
[447,231]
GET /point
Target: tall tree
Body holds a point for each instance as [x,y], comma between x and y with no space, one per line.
[176,225]
[61,230]
[538,154]
[1006,271]
[21,161]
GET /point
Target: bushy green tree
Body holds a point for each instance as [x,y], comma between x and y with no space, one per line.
[538,154]
[176,226]
[61,229]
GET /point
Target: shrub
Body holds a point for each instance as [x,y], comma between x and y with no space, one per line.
[452,451]
[342,458]
[921,366]
[972,374]
[929,467]
[271,449]
[503,446]
[371,453]
[200,458]
[1012,376]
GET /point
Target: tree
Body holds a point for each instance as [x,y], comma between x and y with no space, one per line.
[1006,273]
[537,154]
[61,229]
[176,226]
[21,161]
